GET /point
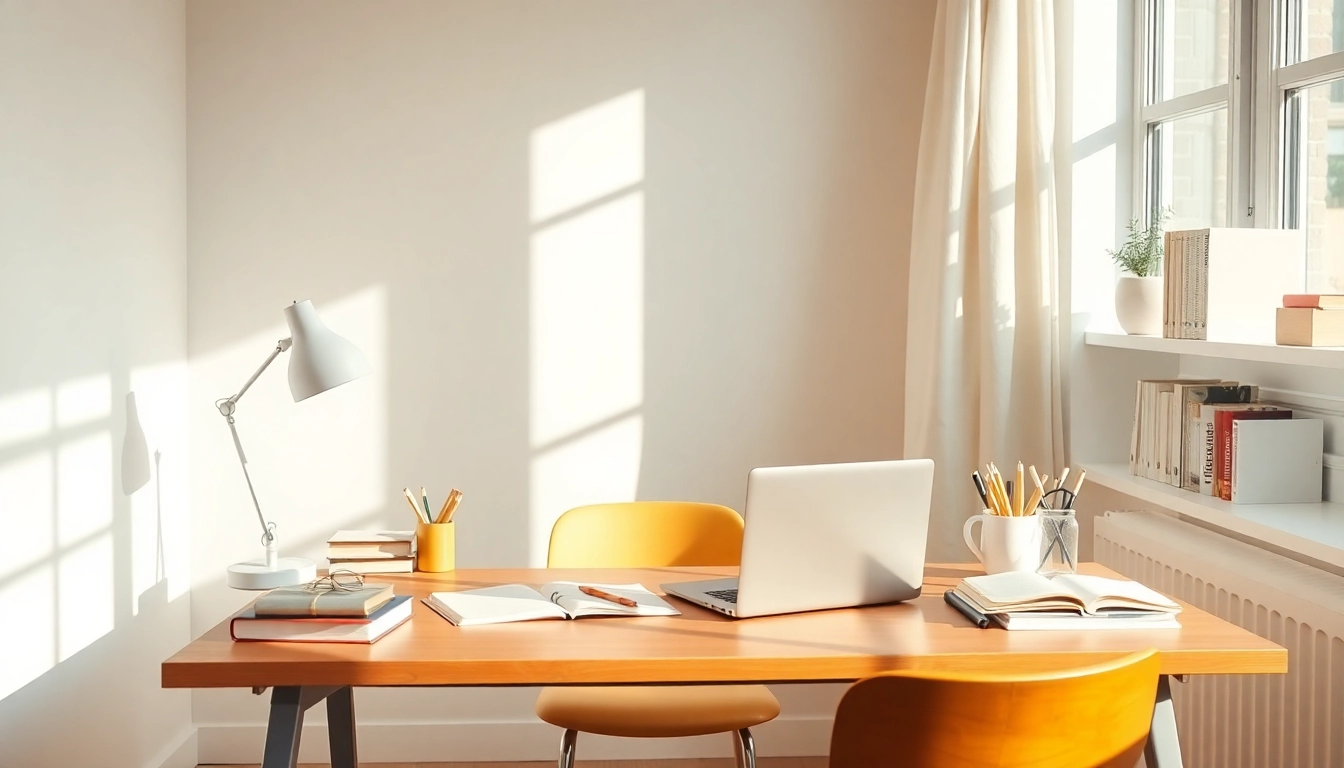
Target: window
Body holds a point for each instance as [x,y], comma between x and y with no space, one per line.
[1241,119]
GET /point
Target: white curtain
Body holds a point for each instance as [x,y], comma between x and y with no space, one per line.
[983,366]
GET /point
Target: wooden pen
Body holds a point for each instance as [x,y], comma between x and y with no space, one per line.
[594,592]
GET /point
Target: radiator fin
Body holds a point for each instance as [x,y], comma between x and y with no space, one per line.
[1252,721]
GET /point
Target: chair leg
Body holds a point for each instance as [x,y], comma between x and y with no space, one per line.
[744,748]
[567,744]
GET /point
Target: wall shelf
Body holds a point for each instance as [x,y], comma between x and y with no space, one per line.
[1318,357]
[1313,530]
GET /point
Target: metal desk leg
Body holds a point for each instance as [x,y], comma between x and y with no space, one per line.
[285,725]
[1163,749]
[341,727]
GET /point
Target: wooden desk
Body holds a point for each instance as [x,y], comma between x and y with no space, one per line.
[699,646]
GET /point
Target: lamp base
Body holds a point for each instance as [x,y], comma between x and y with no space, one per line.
[288,572]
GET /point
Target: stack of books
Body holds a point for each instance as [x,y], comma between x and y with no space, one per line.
[1197,435]
[1023,600]
[359,614]
[372,551]
[1310,320]
[1216,284]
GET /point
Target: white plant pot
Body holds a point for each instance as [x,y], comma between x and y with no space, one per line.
[1138,305]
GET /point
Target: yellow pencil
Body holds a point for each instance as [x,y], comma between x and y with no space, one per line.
[1019,490]
[1033,501]
[450,506]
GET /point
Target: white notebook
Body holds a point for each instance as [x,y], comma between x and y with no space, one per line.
[556,600]
[1079,593]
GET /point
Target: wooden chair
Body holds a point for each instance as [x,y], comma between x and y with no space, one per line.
[1090,717]
[648,535]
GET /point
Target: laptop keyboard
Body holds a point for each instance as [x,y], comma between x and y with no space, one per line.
[726,595]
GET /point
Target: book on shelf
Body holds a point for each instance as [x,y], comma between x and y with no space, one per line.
[1333,301]
[1301,327]
[302,601]
[246,625]
[1155,436]
[1223,418]
[1277,462]
[1197,431]
[381,565]
[367,545]
[1071,601]
[556,600]
[1220,290]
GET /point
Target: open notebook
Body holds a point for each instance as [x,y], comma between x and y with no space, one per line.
[556,600]
[1077,593]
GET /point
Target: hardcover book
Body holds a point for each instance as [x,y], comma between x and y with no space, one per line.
[302,601]
[248,626]
[1222,425]
[1277,462]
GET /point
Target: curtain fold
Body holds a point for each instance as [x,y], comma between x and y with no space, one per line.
[984,364]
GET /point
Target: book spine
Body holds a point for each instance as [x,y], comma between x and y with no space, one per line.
[1175,437]
[1221,420]
[1232,468]
[1206,452]
[1134,430]
[1201,325]
[1187,289]
[1170,245]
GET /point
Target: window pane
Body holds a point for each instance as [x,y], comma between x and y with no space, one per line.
[1316,151]
[1195,35]
[1316,30]
[1190,158]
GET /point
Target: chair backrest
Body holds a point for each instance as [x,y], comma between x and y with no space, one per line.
[1087,717]
[646,534]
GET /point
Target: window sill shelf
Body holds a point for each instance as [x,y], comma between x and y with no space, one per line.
[1315,531]
[1318,357]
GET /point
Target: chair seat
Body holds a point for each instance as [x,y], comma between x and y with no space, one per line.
[658,711]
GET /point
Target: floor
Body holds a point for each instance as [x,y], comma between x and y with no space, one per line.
[704,762]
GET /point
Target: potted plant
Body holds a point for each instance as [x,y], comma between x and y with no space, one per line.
[1138,294]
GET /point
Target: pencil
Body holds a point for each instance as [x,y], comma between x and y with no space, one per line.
[1077,487]
[1062,477]
[593,592]
[1033,501]
[450,506]
[1000,494]
[1019,491]
[1036,479]
[410,499]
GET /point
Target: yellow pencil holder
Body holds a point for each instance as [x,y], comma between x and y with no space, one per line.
[435,547]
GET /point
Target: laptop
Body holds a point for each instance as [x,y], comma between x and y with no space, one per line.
[826,536]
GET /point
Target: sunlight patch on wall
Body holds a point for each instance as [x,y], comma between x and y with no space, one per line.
[587,319]
[586,312]
[85,601]
[84,488]
[600,466]
[24,416]
[587,155]
[27,507]
[83,400]
[30,652]
[1093,229]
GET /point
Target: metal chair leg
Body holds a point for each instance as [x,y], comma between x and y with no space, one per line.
[745,749]
[567,744]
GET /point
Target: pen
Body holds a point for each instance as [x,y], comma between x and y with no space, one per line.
[1062,477]
[980,488]
[414,506]
[966,609]
[592,592]
[424,498]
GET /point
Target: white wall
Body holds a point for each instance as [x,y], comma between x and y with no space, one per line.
[93,583]
[595,250]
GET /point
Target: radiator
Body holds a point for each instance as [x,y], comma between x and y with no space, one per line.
[1256,721]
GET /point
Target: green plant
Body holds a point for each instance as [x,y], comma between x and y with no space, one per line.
[1141,253]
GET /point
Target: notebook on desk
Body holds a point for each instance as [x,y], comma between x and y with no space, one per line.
[825,536]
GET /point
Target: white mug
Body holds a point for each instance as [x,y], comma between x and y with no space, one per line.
[1006,543]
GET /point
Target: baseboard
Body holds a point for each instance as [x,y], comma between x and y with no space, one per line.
[185,754]
[517,741]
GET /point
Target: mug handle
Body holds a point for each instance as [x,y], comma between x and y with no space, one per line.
[966,534]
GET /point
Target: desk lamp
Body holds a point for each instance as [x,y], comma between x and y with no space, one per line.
[319,360]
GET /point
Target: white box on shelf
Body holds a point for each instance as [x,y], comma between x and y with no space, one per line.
[1277,461]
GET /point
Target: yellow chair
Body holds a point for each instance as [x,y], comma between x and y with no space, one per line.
[1090,717]
[650,535]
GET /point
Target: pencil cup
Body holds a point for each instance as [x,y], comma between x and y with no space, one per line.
[435,547]
[1006,543]
[1059,541]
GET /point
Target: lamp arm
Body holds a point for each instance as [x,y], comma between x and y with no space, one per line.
[226,407]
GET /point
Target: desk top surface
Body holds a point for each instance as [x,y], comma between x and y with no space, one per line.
[699,645]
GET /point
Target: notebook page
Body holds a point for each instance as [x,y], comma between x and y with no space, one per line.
[1101,592]
[1015,590]
[495,605]
[568,595]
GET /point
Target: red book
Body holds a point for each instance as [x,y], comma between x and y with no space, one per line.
[1314,300]
[1222,440]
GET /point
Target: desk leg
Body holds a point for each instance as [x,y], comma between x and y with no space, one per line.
[285,726]
[1163,749]
[341,727]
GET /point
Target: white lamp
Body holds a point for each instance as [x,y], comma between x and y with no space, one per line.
[320,360]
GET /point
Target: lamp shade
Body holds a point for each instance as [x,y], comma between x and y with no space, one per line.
[319,359]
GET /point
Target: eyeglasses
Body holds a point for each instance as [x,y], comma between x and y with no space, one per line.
[337,581]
